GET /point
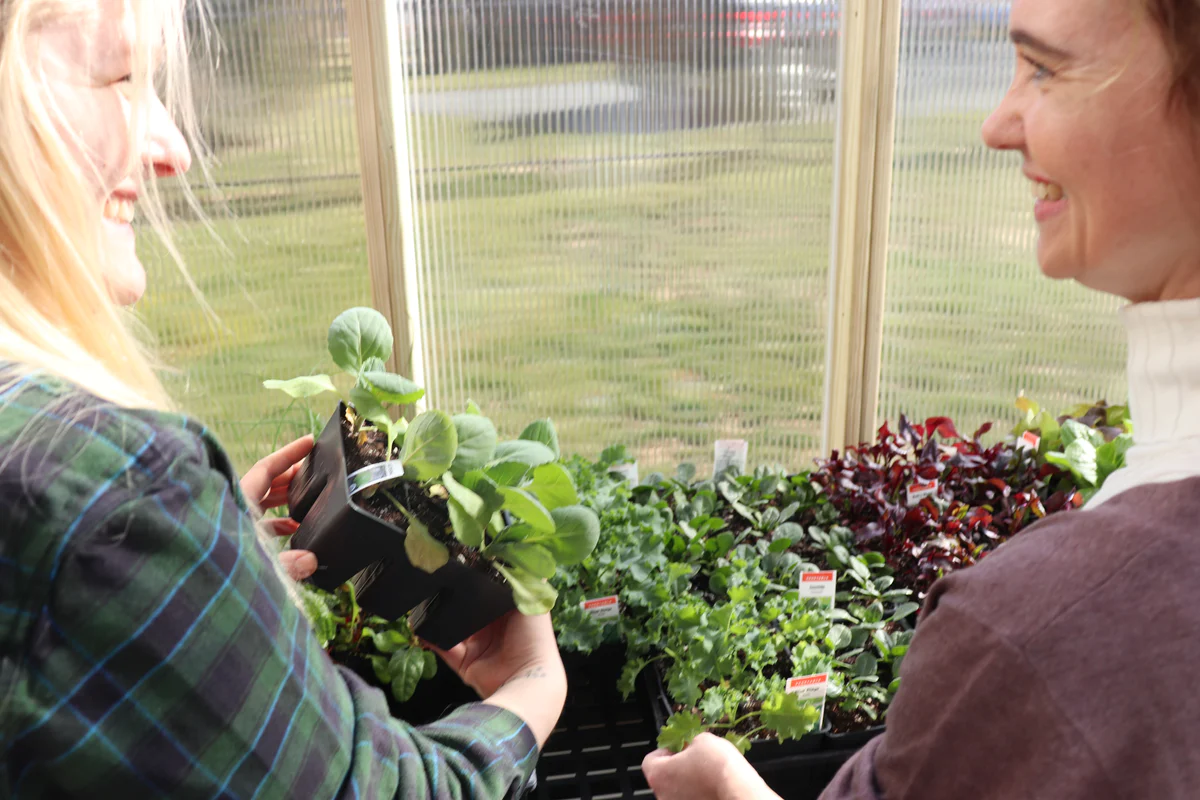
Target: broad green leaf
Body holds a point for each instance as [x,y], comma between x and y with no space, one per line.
[472,408]
[679,731]
[488,492]
[779,545]
[389,642]
[425,552]
[866,664]
[532,595]
[407,667]
[373,364]
[430,444]
[507,473]
[542,431]
[1028,406]
[430,665]
[467,528]
[552,484]
[392,388]
[379,665]
[788,716]
[528,508]
[1081,458]
[357,335]
[468,499]
[367,406]
[299,388]
[838,637]
[905,609]
[576,531]
[533,558]
[477,440]
[1111,456]
[522,451]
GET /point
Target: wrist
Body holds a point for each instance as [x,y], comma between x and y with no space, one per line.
[740,781]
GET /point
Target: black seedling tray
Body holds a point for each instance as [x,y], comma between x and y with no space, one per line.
[851,741]
[597,749]
[350,543]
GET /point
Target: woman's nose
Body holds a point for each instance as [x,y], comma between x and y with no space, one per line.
[1003,129]
[166,150]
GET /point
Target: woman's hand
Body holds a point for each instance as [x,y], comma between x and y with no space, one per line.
[266,486]
[710,767]
[514,663]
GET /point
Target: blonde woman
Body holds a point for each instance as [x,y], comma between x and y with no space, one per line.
[147,644]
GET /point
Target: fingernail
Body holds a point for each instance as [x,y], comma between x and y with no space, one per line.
[299,564]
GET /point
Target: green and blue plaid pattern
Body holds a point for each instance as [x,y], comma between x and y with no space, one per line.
[148,649]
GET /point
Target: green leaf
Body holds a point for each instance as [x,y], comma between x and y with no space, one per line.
[425,552]
[357,335]
[319,614]
[542,431]
[467,528]
[739,741]
[1081,458]
[1110,456]
[865,665]
[527,507]
[680,730]
[476,443]
[533,558]
[788,716]
[367,406]
[532,595]
[838,637]
[576,531]
[507,473]
[531,453]
[389,642]
[407,667]
[430,444]
[905,609]
[379,665]
[552,484]
[472,408]
[392,388]
[430,668]
[299,388]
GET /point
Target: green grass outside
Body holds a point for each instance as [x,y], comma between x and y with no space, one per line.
[678,301]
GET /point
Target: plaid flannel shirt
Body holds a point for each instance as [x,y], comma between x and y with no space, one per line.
[147,647]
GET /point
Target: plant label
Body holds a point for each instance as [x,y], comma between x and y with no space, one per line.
[627,471]
[919,490]
[1029,441]
[602,607]
[730,453]
[813,688]
[819,585]
[373,475]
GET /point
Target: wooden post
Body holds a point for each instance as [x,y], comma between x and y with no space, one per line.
[869,67]
[377,68]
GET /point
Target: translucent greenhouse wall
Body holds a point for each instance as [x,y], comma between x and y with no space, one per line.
[622,219]
[286,205]
[970,322]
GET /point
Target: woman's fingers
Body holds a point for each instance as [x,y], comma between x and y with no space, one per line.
[299,564]
[274,472]
[282,526]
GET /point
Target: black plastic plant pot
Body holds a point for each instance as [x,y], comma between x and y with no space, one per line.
[854,740]
[761,750]
[352,544]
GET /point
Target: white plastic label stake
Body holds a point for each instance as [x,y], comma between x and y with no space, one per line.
[627,471]
[811,687]
[373,475]
[602,607]
[730,453]
[1029,441]
[821,585]
[919,490]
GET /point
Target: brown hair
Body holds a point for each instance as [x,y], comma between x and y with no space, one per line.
[1179,23]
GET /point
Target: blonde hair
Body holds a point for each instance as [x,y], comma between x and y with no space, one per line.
[56,313]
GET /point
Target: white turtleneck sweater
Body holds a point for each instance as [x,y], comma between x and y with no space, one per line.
[1164,396]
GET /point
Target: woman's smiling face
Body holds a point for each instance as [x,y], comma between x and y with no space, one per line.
[1112,162]
[87,60]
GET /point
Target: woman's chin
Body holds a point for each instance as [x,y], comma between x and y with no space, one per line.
[127,283]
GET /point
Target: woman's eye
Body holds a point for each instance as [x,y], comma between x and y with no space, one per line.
[1040,71]
[126,79]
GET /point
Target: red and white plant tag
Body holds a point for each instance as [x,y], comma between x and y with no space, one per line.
[919,490]
[811,687]
[627,471]
[602,607]
[1029,441]
[819,585]
[730,453]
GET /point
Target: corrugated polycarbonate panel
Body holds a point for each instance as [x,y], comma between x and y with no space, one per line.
[623,217]
[970,321]
[290,251]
